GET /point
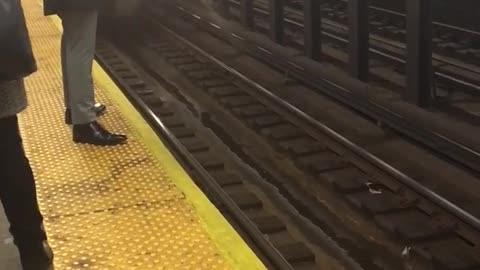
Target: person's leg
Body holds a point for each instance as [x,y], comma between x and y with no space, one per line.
[79,30]
[64,73]
[19,199]
[79,37]
[98,107]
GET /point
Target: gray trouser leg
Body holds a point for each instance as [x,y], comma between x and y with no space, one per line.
[66,94]
[78,49]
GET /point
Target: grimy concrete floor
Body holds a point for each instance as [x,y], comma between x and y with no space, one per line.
[8,252]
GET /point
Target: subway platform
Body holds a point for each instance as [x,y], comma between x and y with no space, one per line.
[113,208]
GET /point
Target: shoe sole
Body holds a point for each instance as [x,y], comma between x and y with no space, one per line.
[99,143]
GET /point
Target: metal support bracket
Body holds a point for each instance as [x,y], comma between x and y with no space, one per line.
[277,31]
[419,52]
[313,29]
[246,9]
[358,38]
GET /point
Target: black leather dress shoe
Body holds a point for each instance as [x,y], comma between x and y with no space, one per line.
[98,108]
[94,133]
[36,257]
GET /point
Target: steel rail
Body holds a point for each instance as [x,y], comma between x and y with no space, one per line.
[422,190]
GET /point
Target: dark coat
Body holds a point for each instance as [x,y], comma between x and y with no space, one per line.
[16,56]
[52,7]
[13,98]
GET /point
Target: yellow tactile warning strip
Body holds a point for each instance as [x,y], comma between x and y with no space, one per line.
[113,208]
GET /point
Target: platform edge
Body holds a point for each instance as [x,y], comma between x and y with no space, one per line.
[231,245]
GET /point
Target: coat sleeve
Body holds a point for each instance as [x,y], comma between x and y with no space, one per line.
[7,20]
[16,56]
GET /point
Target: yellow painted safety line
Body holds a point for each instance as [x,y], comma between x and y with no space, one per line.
[230,244]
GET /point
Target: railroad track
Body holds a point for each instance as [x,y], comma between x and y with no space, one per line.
[452,41]
[314,169]
[455,59]
[254,208]
[347,93]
